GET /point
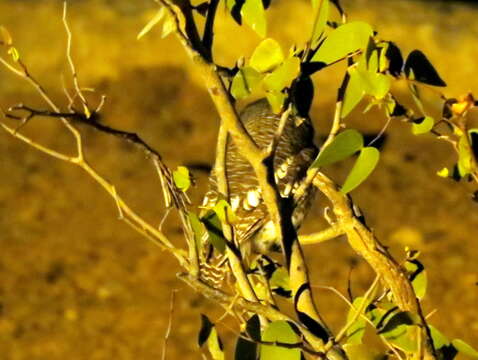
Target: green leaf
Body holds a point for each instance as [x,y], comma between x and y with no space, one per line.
[439,340]
[276,100]
[244,82]
[362,352]
[424,126]
[151,23]
[254,15]
[354,93]
[465,160]
[267,56]
[321,8]
[419,68]
[197,228]
[283,75]
[280,279]
[401,331]
[214,229]
[224,212]
[356,331]
[344,145]
[214,345]
[418,277]
[464,348]
[279,331]
[363,167]
[342,41]
[181,178]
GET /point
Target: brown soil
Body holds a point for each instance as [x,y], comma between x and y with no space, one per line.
[76,283]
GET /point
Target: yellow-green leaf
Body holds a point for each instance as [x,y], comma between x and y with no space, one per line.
[267,56]
[444,173]
[283,75]
[439,340]
[354,93]
[279,331]
[465,161]
[342,41]
[244,82]
[356,331]
[182,178]
[424,126]
[214,345]
[169,26]
[224,212]
[254,15]
[151,23]
[321,9]
[280,279]
[276,100]
[363,167]
[419,277]
[464,348]
[344,145]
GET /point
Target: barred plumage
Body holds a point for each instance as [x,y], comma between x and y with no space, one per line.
[295,153]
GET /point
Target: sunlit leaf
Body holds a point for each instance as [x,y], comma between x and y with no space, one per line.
[418,277]
[181,178]
[267,56]
[215,346]
[424,126]
[197,228]
[354,93]
[356,331]
[224,212]
[244,82]
[276,100]
[362,352]
[214,229]
[363,167]
[279,331]
[152,23]
[444,173]
[342,41]
[169,26]
[439,340]
[465,160]
[280,279]
[419,68]
[321,9]
[344,145]
[254,15]
[464,348]
[283,75]
[401,331]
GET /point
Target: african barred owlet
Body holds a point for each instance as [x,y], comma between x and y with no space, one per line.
[295,152]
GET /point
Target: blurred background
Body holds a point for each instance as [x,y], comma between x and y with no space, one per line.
[76,283]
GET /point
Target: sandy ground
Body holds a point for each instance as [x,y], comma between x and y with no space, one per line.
[76,283]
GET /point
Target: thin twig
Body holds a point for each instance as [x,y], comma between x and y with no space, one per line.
[170,321]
